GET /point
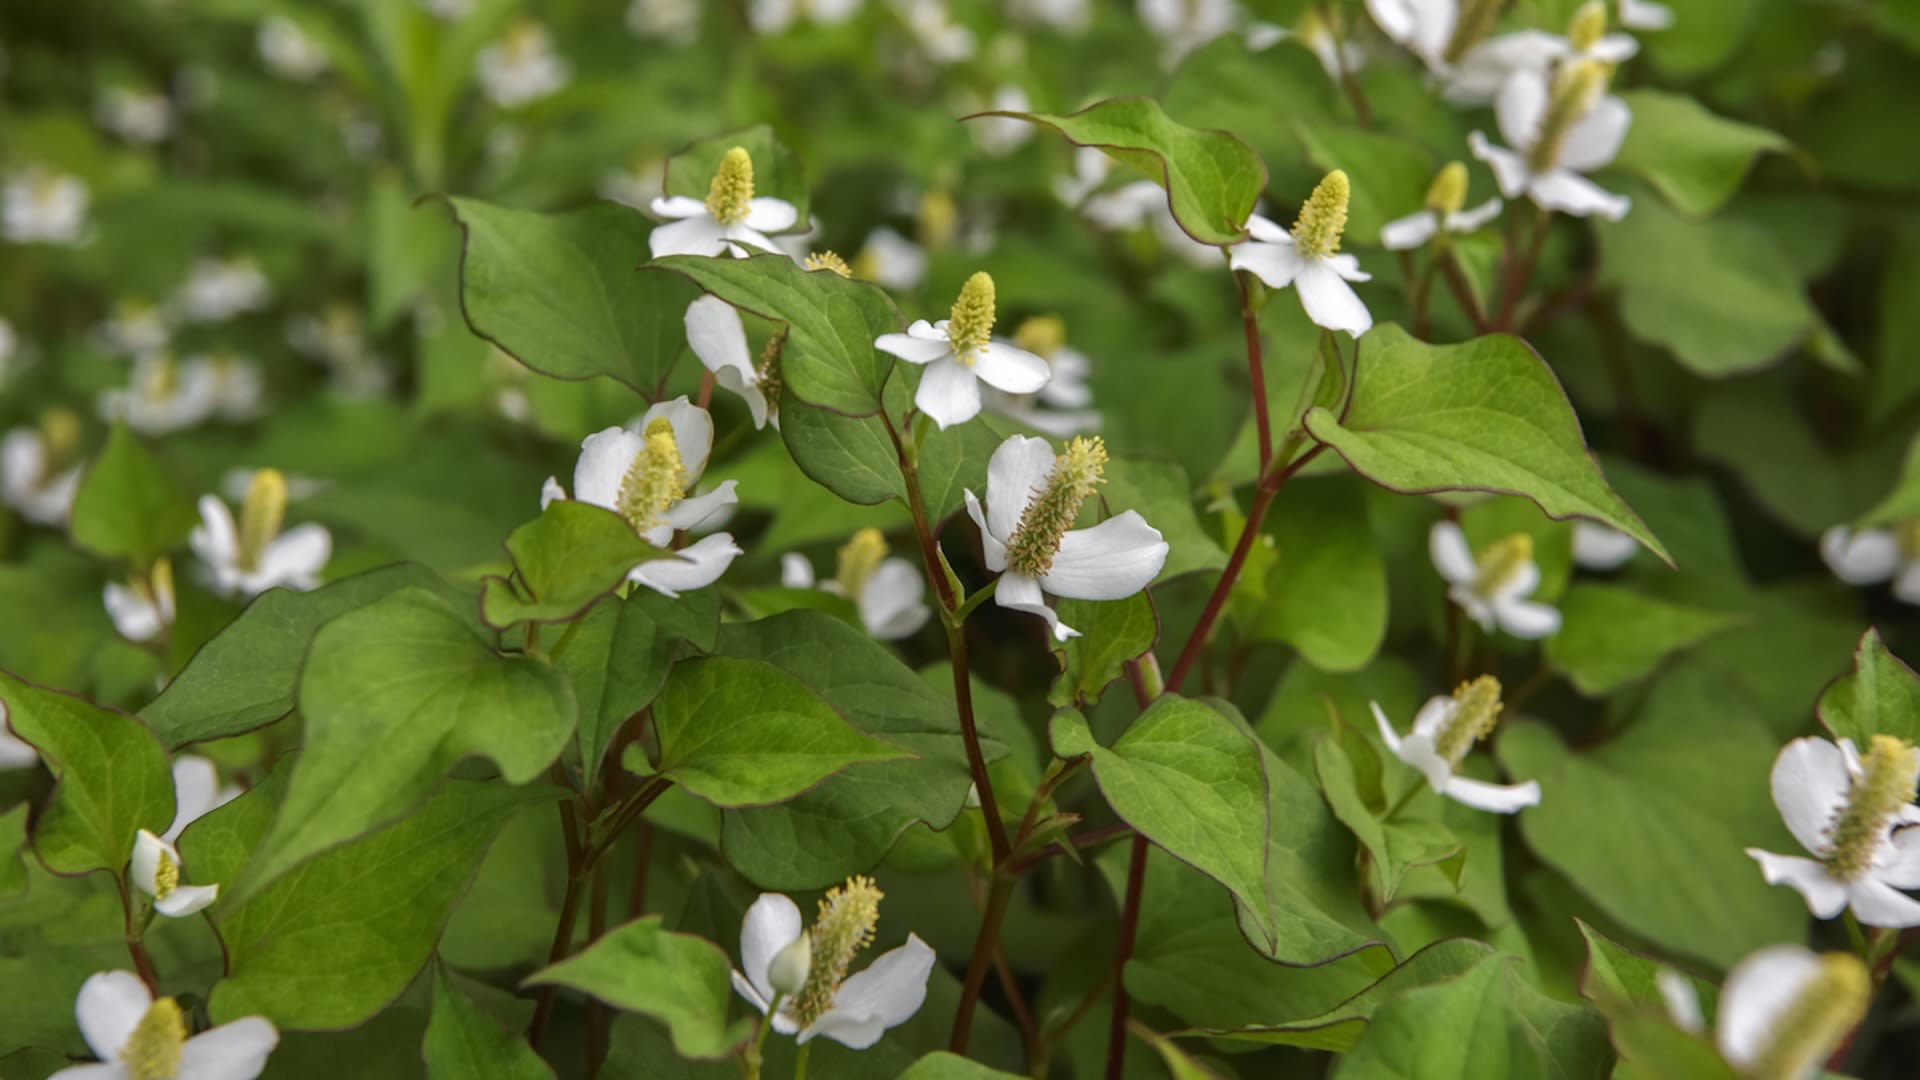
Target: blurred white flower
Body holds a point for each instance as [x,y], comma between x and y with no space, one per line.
[959,353]
[939,37]
[142,607]
[1485,68]
[219,289]
[137,1037]
[1873,556]
[1184,25]
[1002,135]
[1309,258]
[1597,547]
[674,21]
[1645,15]
[1783,1010]
[1493,589]
[891,260]
[888,592]
[40,206]
[1851,814]
[773,16]
[336,339]
[1090,168]
[1557,134]
[730,220]
[40,468]
[1443,731]
[635,186]
[1064,406]
[163,395]
[1071,16]
[719,339]
[248,557]
[522,66]
[138,116]
[197,792]
[155,870]
[136,328]
[288,51]
[449,10]
[15,752]
[1442,215]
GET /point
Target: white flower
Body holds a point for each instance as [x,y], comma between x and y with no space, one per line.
[887,592]
[891,260]
[1849,812]
[142,608]
[635,186]
[1184,25]
[449,10]
[1144,203]
[335,339]
[1442,213]
[674,21]
[1547,166]
[155,870]
[1872,556]
[1645,15]
[138,1038]
[288,51]
[219,289]
[137,116]
[729,220]
[1780,992]
[238,386]
[718,338]
[1597,547]
[1027,535]
[644,472]
[521,67]
[35,479]
[235,483]
[197,792]
[1002,135]
[163,395]
[1444,730]
[1071,16]
[40,206]
[1430,29]
[1090,168]
[15,752]
[1063,407]
[959,353]
[1487,66]
[939,37]
[136,329]
[1308,258]
[853,1010]
[773,16]
[253,556]
[1493,589]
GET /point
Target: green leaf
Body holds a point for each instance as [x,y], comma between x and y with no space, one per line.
[558,292]
[1618,979]
[1486,415]
[1904,501]
[1327,595]
[1611,635]
[745,733]
[829,359]
[1695,158]
[618,655]
[1880,696]
[568,557]
[464,1042]
[1396,845]
[777,171]
[245,676]
[1112,632]
[128,504]
[1389,175]
[335,940]
[849,456]
[847,824]
[946,1066]
[110,774]
[680,980]
[1212,178]
[393,695]
[1653,1048]
[1339,1028]
[1486,1024]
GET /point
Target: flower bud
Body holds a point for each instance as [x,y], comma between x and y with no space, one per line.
[788,971]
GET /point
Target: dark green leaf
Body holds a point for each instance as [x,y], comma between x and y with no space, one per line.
[618,655]
[568,557]
[680,980]
[464,1042]
[1611,635]
[1880,696]
[1695,158]
[1112,632]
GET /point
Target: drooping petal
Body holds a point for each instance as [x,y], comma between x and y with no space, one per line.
[692,433]
[891,603]
[1017,592]
[1900,862]
[769,215]
[235,1051]
[1387,734]
[795,571]
[885,995]
[144,867]
[1810,784]
[1434,716]
[696,510]
[1595,138]
[1111,561]
[1469,220]
[992,547]
[717,336]
[1520,106]
[699,564]
[699,235]
[1404,234]
[772,923]
[184,900]
[1007,367]
[1451,554]
[215,539]
[914,349]
[1528,620]
[551,492]
[196,791]
[1756,998]
[1571,193]
[1509,169]
[1876,903]
[605,457]
[1016,473]
[1493,798]
[1867,557]
[133,615]
[948,393]
[677,206]
[1275,264]
[1330,301]
[1825,897]
[110,1005]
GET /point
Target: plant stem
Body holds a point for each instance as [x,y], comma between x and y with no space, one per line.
[800,1061]
[1123,951]
[569,914]
[1462,290]
[1521,272]
[642,858]
[1256,372]
[1090,838]
[970,736]
[999,898]
[625,815]
[599,1021]
[706,390]
[142,962]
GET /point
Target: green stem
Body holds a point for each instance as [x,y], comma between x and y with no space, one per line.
[800,1061]
[754,1056]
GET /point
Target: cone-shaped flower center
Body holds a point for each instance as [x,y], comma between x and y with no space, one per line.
[261,515]
[655,481]
[827,260]
[1587,27]
[970,326]
[1501,563]
[1475,21]
[59,444]
[1575,87]
[1448,192]
[1076,473]
[938,219]
[732,188]
[153,1050]
[1884,786]
[1828,1007]
[861,556]
[1042,335]
[845,925]
[1476,710]
[1316,232]
[166,877]
[156,587]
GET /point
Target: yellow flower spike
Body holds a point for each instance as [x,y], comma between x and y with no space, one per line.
[1500,562]
[261,515]
[1587,27]
[1076,473]
[1825,1010]
[827,260]
[970,326]
[1575,88]
[859,558]
[939,220]
[153,1050]
[655,481]
[848,915]
[1884,786]
[1476,712]
[732,187]
[1316,232]
[1474,23]
[1448,192]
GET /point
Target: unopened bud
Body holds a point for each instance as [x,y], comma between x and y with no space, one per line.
[788,971]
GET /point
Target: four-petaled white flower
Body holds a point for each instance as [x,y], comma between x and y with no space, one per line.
[219,289]
[139,1038]
[288,51]
[38,471]
[816,995]
[15,752]
[644,472]
[1873,556]
[155,871]
[731,219]
[888,592]
[1444,730]
[1308,258]
[1782,1011]
[1494,588]
[1851,813]
[774,16]
[1597,547]
[1558,132]
[1448,41]
[1442,216]
[40,206]
[959,353]
[719,339]
[522,66]
[1027,533]
[138,116]
[251,556]
[142,607]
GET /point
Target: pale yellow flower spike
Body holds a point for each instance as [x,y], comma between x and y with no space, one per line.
[732,188]
[970,327]
[1448,192]
[261,515]
[154,1048]
[655,481]
[848,915]
[1476,712]
[1885,785]
[859,558]
[1076,473]
[1316,232]
[1828,1007]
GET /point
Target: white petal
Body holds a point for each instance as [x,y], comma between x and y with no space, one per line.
[1475,606]
[693,236]
[1469,220]
[184,900]
[1876,903]
[297,556]
[1906,586]
[1417,750]
[913,349]
[1595,138]
[1111,561]
[744,241]
[1614,49]
[1394,18]
[1527,619]
[1452,557]
[1867,557]
[692,434]
[1330,301]
[110,1005]
[1007,367]
[1017,592]
[15,753]
[891,604]
[1825,897]
[1387,734]
[98,1071]
[885,995]
[948,393]
[1810,784]
[1509,169]
[716,335]
[698,565]
[771,215]
[144,867]
[1597,547]
[795,571]
[133,616]
[1645,15]
[235,1051]
[605,457]
[1016,473]
[1901,868]
[744,382]
[1571,193]
[196,791]
[215,539]
[551,492]
[1493,798]
[747,990]
[991,546]
[696,510]
[1275,264]
[1347,266]
[771,924]
[1682,1001]
[1403,234]
[1434,715]
[1264,229]
[677,206]
[1519,108]
[1756,997]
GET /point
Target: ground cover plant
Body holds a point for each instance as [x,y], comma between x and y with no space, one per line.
[957,539]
